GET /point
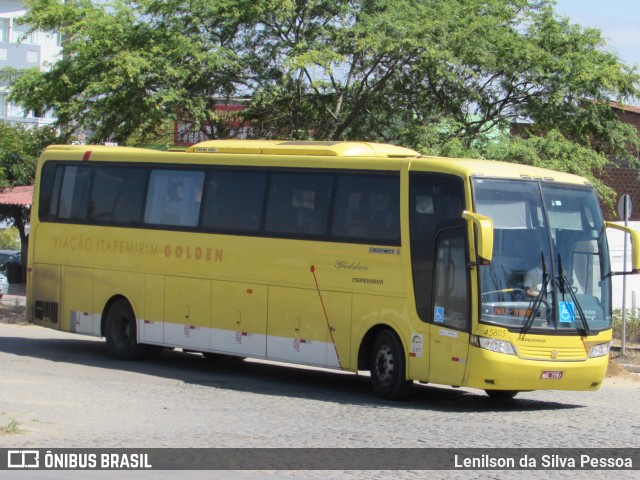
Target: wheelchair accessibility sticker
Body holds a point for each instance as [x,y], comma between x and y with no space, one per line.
[567,312]
[438,315]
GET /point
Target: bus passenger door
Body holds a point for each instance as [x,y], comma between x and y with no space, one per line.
[450,324]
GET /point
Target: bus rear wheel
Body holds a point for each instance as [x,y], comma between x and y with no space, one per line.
[121,332]
[388,367]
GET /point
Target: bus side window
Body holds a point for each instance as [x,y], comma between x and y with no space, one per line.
[233,200]
[299,204]
[50,179]
[73,199]
[118,195]
[367,209]
[174,198]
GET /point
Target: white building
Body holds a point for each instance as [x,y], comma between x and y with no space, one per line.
[20,51]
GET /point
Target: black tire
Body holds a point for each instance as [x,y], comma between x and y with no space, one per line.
[502,394]
[121,333]
[154,352]
[388,367]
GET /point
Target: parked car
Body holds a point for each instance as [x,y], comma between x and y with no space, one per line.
[11,265]
[8,258]
[4,285]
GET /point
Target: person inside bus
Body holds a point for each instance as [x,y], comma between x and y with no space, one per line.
[533,280]
[173,204]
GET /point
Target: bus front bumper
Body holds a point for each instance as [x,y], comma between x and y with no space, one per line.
[496,371]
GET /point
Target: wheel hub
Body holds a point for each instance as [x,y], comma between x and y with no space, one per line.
[384,365]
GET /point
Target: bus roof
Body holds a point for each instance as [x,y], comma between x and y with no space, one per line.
[467,167]
[287,147]
[275,152]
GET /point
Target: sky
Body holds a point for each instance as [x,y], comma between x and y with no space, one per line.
[619,21]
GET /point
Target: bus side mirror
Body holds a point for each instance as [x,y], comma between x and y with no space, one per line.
[635,246]
[484,229]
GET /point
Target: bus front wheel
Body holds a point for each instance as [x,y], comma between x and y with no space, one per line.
[121,332]
[388,367]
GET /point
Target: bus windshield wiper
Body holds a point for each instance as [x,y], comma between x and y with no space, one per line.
[534,306]
[564,287]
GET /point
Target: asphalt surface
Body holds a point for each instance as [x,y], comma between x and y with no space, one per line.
[64,391]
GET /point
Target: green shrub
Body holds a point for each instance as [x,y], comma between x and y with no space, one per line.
[10,239]
[11,427]
[633,326]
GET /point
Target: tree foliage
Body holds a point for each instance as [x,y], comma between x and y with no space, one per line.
[19,149]
[442,76]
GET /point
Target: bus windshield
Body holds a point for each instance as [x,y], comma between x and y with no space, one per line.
[550,269]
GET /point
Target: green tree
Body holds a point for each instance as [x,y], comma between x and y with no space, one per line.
[128,67]
[442,76]
[19,149]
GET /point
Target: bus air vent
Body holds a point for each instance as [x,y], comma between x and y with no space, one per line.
[282,147]
[46,311]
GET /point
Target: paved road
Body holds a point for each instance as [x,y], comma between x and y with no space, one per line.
[64,391]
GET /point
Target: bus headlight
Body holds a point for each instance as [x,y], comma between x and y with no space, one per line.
[493,345]
[600,350]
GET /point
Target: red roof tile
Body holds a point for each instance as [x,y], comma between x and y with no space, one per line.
[17,196]
[625,108]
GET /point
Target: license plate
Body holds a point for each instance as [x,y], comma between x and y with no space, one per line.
[552,375]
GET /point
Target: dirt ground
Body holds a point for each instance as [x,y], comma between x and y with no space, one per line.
[12,313]
[12,310]
[627,366]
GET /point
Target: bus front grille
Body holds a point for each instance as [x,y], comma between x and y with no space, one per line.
[560,354]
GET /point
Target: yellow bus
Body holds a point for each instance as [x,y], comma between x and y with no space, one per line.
[345,255]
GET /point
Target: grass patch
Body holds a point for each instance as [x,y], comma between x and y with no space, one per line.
[10,428]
